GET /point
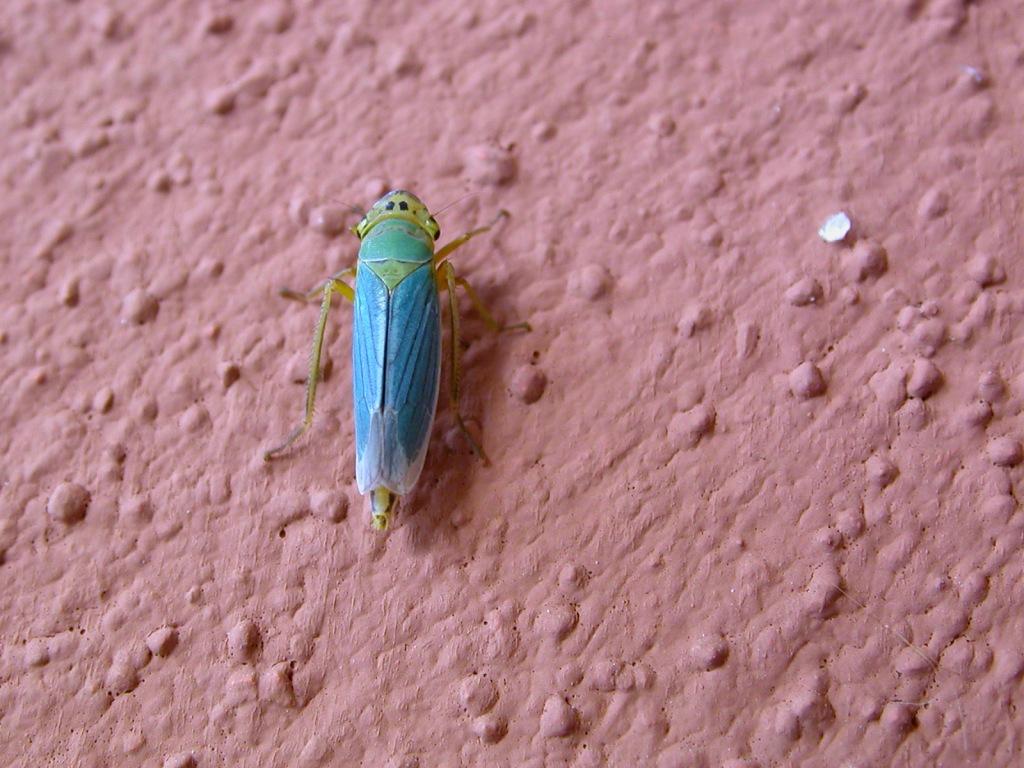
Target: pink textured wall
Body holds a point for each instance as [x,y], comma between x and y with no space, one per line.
[753,499]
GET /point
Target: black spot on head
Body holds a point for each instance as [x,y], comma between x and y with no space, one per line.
[403,205]
[390,206]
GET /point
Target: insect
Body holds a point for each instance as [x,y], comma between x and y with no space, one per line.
[396,344]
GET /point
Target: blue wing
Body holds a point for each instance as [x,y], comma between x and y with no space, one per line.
[369,337]
[396,364]
[413,376]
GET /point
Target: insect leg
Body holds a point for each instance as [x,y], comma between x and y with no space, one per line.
[318,292]
[333,285]
[446,251]
[455,372]
[478,305]
[482,310]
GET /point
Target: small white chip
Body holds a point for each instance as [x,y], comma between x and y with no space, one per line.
[836,227]
[976,75]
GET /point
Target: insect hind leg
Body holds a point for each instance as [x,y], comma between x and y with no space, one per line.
[455,370]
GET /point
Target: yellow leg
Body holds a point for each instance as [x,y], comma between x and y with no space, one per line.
[482,310]
[332,286]
[461,240]
[443,267]
[318,292]
[447,272]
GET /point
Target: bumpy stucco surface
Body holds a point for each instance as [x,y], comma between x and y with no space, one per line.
[753,495]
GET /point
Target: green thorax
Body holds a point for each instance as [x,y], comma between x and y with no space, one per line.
[395,248]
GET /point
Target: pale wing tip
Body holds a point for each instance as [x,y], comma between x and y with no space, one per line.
[369,467]
[383,462]
[397,463]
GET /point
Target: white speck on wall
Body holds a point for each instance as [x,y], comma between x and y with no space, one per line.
[975,74]
[836,228]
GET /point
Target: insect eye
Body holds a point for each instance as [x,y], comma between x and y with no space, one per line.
[390,206]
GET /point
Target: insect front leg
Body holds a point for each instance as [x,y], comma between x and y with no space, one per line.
[317,293]
[444,266]
[461,240]
[332,286]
